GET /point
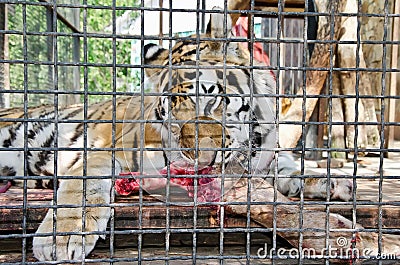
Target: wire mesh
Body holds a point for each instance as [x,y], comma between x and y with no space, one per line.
[80,59]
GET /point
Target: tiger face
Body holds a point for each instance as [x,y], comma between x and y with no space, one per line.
[214,109]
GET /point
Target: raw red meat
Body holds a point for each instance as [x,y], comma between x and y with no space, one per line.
[5,188]
[208,188]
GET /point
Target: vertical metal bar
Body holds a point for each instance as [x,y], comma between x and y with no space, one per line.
[3,45]
[50,47]
[168,188]
[223,172]
[26,124]
[203,16]
[251,134]
[281,57]
[312,28]
[113,127]
[196,152]
[223,169]
[329,143]
[356,121]
[160,23]
[328,168]
[331,20]
[6,97]
[85,117]
[142,88]
[277,91]
[383,126]
[303,140]
[76,46]
[224,102]
[290,23]
[55,83]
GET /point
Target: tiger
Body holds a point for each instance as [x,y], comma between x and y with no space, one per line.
[208,107]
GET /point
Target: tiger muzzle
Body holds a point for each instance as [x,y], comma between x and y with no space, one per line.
[210,136]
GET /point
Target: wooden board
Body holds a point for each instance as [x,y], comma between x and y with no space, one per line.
[272,5]
[127,209]
[294,5]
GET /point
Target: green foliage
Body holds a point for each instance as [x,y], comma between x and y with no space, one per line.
[38,50]
[100,50]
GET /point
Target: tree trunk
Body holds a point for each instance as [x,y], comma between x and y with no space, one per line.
[337,132]
[351,108]
[347,56]
[372,29]
[289,134]
[372,131]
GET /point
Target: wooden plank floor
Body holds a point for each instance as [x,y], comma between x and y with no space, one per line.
[154,217]
[126,209]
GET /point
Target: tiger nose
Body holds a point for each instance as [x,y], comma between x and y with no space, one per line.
[208,133]
[207,156]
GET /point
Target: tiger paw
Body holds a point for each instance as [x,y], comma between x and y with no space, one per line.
[69,241]
[340,189]
[67,247]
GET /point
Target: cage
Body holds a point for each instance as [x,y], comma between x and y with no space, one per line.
[199,132]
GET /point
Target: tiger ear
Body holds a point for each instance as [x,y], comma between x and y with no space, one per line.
[154,55]
[215,27]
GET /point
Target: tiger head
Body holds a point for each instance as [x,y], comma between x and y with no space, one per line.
[206,105]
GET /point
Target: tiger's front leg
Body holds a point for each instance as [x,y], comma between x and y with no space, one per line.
[76,215]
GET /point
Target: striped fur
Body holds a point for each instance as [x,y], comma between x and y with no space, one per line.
[41,133]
